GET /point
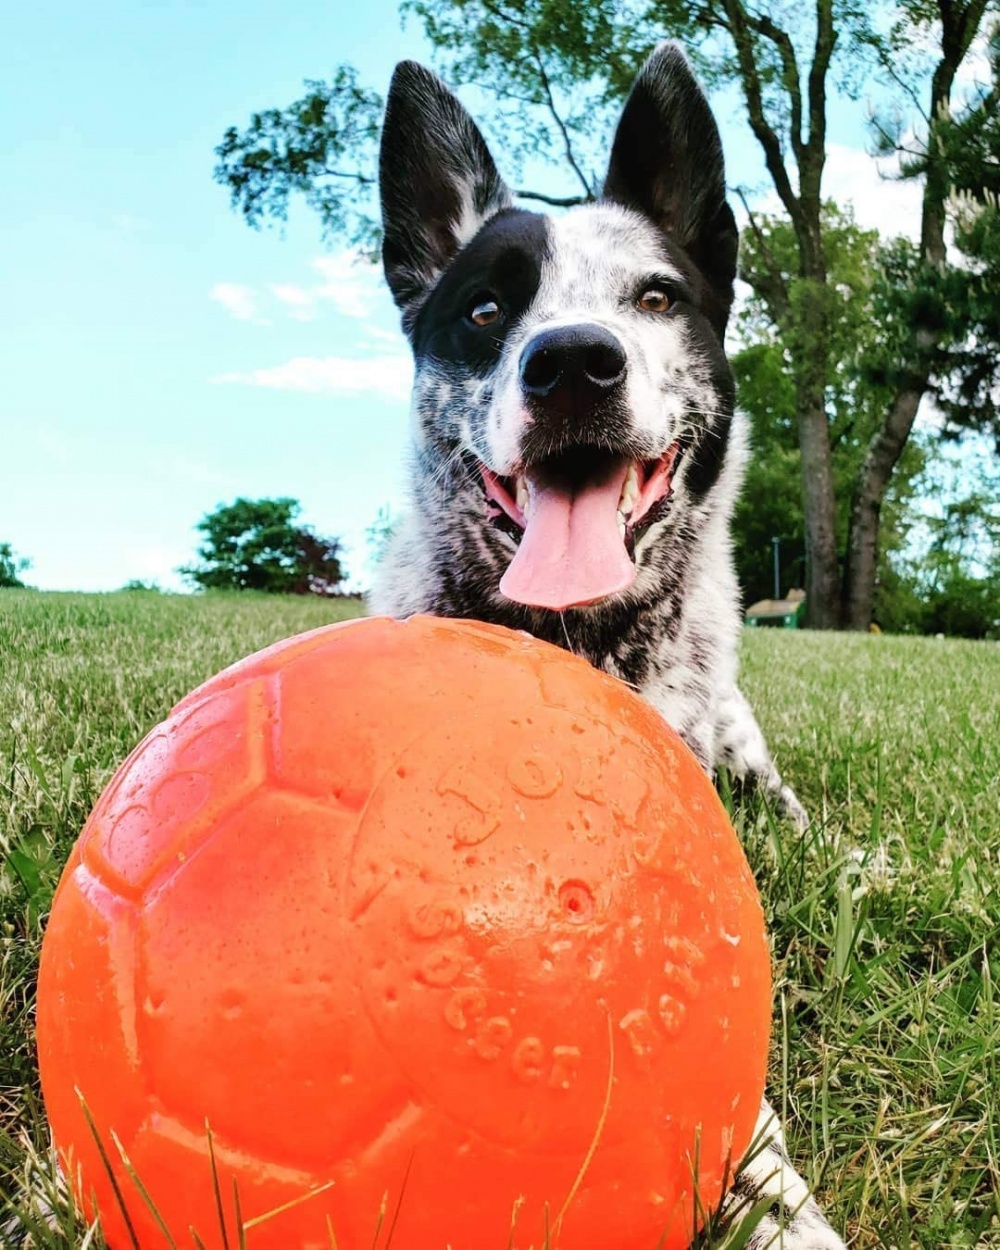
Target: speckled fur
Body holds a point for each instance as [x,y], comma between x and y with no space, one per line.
[673,634]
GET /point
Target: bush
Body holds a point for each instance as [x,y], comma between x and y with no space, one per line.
[254,544]
[964,606]
[11,565]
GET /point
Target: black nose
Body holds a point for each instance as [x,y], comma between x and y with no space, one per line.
[580,363]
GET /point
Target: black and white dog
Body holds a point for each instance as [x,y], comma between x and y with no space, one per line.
[576,451]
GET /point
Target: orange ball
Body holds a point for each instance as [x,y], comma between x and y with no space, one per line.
[421,922]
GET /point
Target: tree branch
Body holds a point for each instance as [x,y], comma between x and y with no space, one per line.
[959,23]
[567,145]
[789,72]
[546,85]
[557,201]
[773,289]
[908,89]
[764,132]
[362,179]
[814,156]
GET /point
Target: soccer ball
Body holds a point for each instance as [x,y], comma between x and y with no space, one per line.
[423,926]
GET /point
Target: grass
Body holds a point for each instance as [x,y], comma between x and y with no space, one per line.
[885,916]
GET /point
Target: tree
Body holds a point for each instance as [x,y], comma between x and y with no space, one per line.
[11,566]
[855,394]
[555,68]
[966,381]
[254,544]
[916,303]
[948,578]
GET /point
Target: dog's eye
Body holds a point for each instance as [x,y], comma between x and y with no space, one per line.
[484,311]
[654,300]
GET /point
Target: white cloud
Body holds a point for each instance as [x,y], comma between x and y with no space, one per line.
[350,283]
[239,300]
[300,302]
[389,376]
[347,281]
[382,336]
[881,202]
[976,70]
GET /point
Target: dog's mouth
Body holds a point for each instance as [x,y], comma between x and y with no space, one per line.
[578,516]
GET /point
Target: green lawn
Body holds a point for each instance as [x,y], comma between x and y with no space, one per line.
[885,917]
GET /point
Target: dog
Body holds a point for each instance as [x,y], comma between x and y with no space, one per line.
[576,449]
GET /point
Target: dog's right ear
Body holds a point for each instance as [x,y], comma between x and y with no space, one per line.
[437,180]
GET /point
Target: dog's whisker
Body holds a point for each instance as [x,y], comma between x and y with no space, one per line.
[569,643]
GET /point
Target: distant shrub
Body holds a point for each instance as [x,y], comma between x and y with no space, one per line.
[11,566]
[137,584]
[256,544]
[964,607]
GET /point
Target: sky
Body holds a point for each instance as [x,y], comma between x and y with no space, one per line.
[159,357]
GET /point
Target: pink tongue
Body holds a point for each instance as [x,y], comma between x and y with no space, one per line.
[571,552]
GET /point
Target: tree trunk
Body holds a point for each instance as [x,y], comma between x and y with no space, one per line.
[809,309]
[822,575]
[880,459]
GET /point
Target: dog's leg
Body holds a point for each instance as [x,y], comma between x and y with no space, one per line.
[740,747]
[792,1221]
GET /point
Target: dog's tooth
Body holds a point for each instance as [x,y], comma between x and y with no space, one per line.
[521,493]
[621,523]
[630,491]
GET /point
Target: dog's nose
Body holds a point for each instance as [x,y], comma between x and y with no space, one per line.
[580,363]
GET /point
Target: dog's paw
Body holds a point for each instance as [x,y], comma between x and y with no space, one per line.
[805,1230]
[740,748]
[771,1198]
[789,806]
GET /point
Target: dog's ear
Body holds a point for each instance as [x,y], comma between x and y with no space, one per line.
[667,163]
[437,180]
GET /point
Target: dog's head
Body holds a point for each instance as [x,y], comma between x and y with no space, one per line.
[572,396]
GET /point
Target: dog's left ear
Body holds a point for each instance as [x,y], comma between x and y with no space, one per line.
[437,180]
[667,163]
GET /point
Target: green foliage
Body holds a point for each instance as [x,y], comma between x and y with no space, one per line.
[770,504]
[11,566]
[323,147]
[254,544]
[953,313]
[967,374]
[964,606]
[864,344]
[946,578]
[136,585]
[900,600]
[555,72]
[957,602]
[948,584]
[954,308]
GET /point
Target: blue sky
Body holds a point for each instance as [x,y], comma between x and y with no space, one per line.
[159,357]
